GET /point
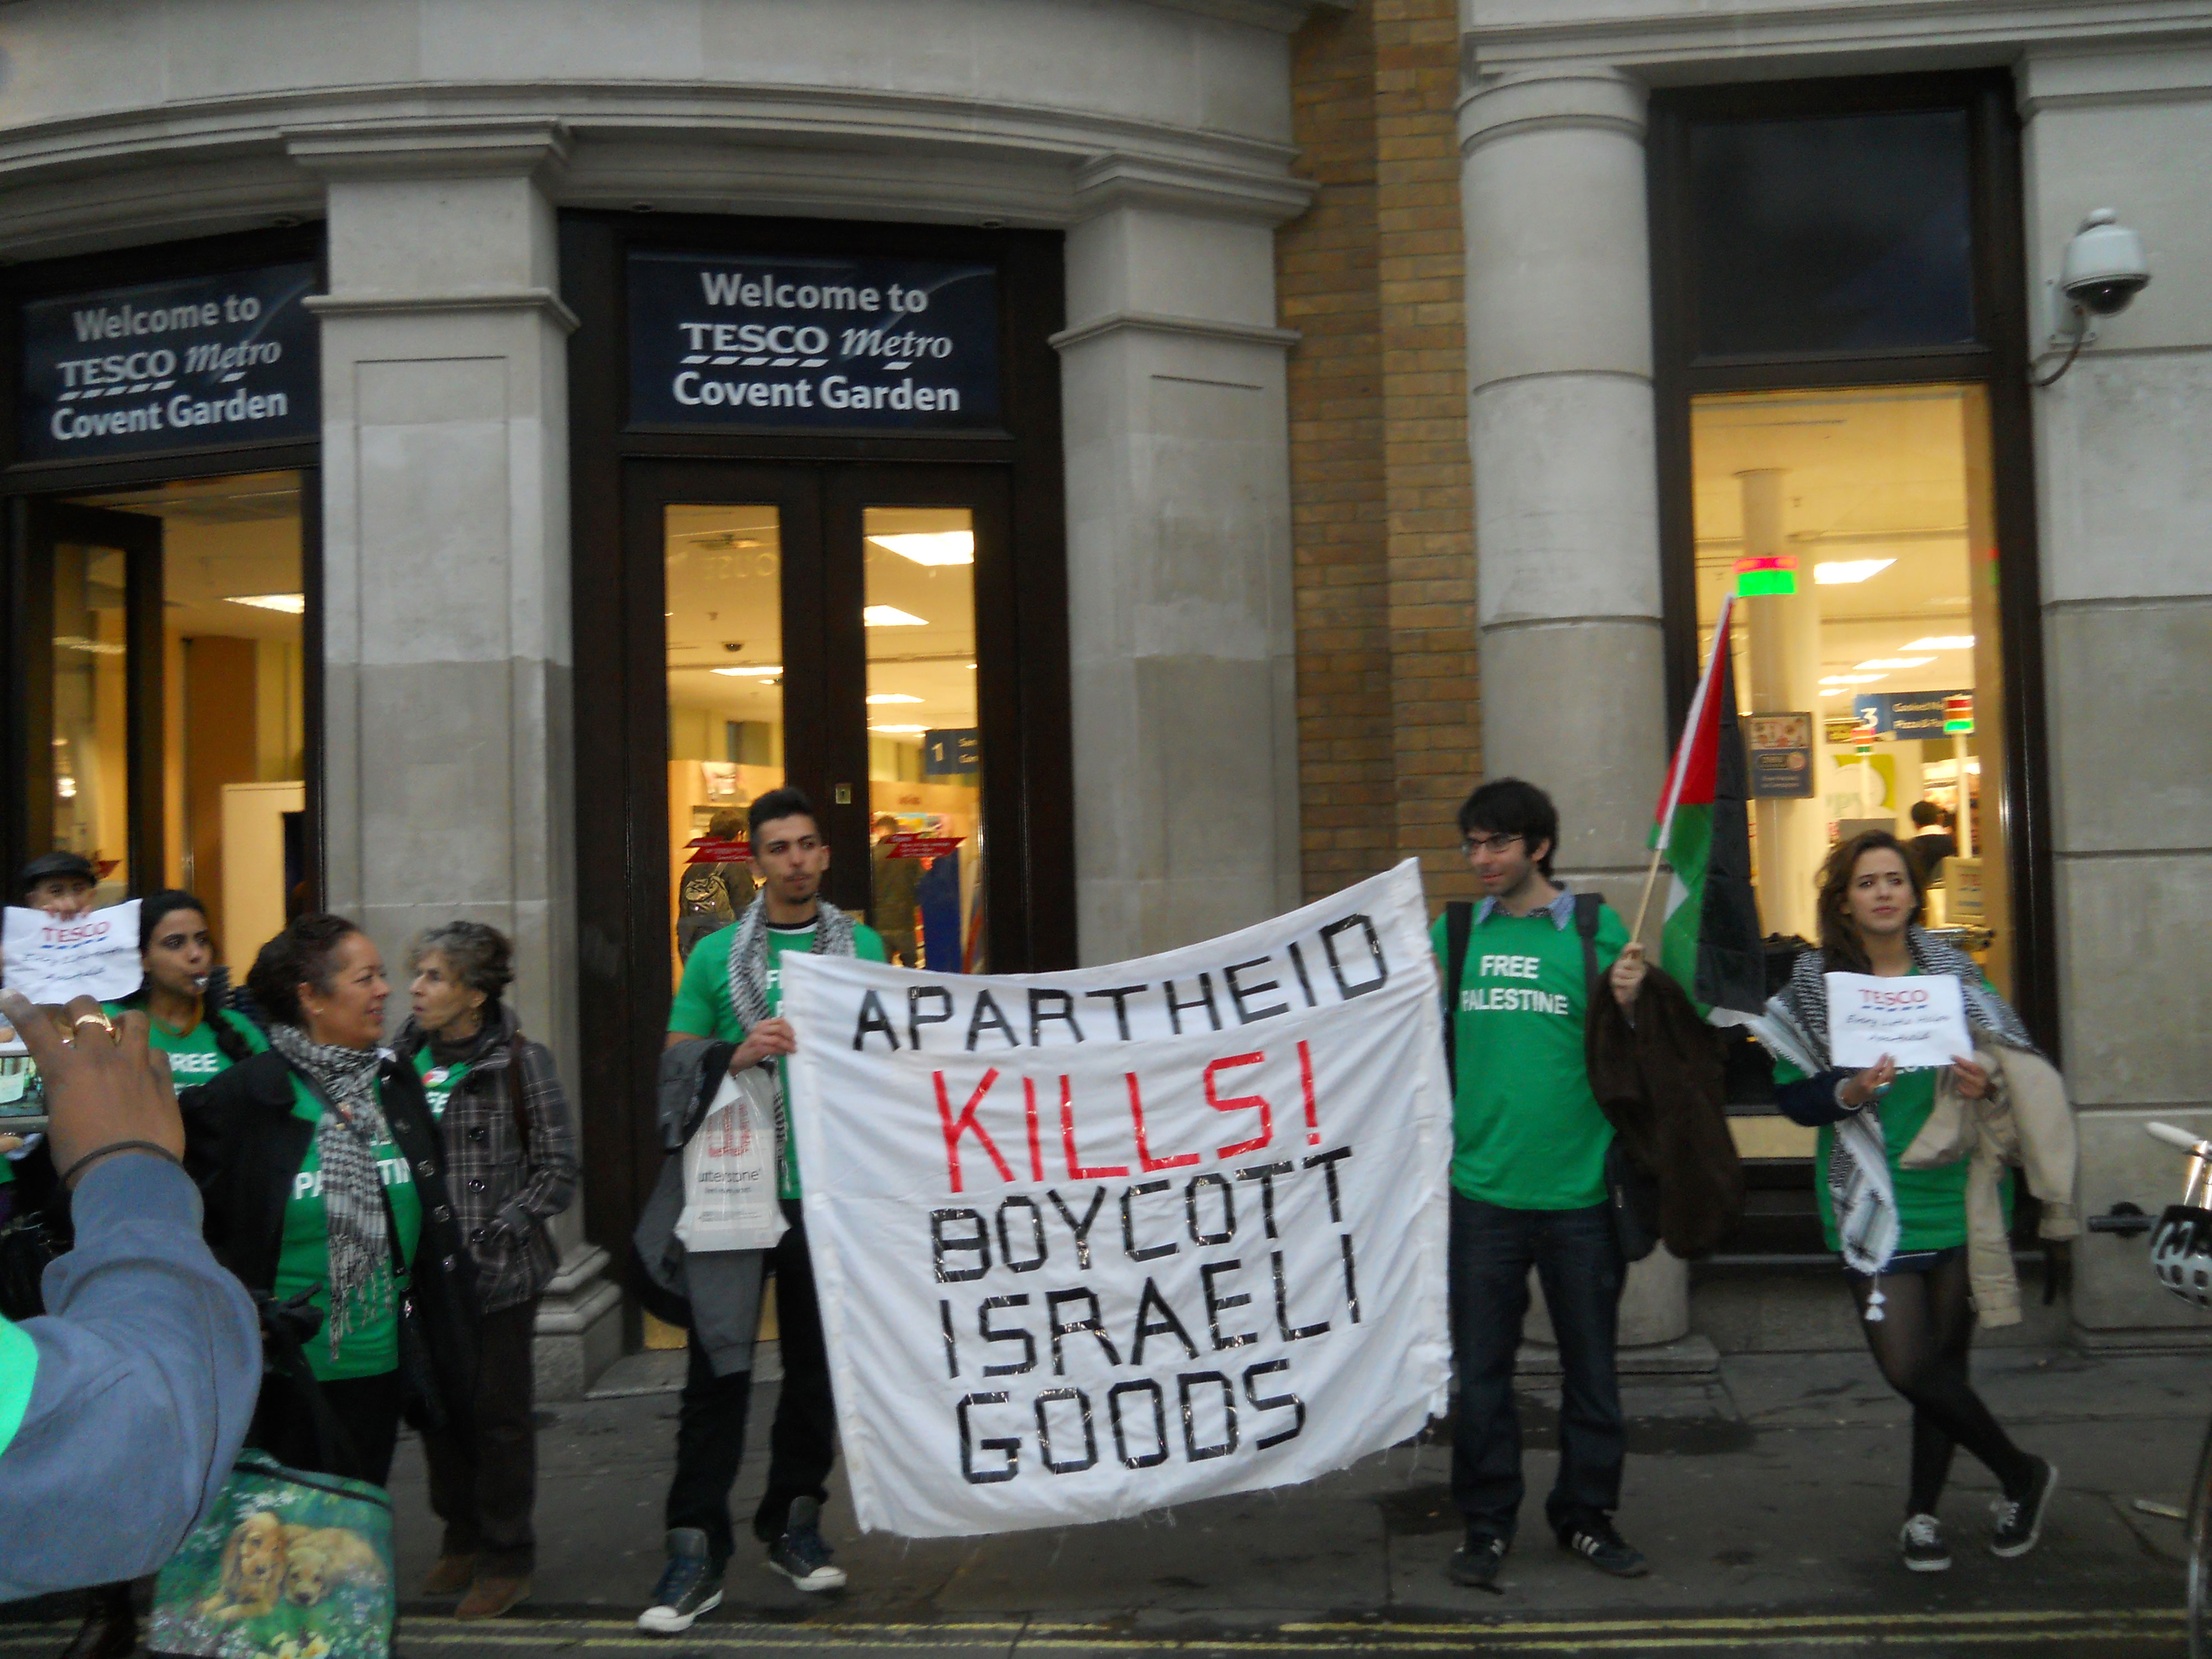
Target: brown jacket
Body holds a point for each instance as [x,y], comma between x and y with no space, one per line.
[1658,1080]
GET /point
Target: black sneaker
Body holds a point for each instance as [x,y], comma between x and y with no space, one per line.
[1921,1543]
[690,1585]
[800,1555]
[1597,1543]
[2019,1520]
[1474,1564]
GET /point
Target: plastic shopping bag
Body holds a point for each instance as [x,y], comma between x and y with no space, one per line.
[730,1171]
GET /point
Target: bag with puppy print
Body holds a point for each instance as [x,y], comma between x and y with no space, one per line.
[286,1565]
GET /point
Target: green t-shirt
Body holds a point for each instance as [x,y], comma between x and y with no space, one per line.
[194,1058]
[1526,1131]
[19,1374]
[439,1082]
[702,1005]
[372,1347]
[1931,1204]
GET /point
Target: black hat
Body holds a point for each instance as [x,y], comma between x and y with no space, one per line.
[50,866]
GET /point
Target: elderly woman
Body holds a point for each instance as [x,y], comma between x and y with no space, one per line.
[513,1153]
[324,1184]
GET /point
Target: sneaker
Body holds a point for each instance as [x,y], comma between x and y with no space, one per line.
[2019,1520]
[800,1555]
[1474,1564]
[1597,1543]
[1921,1543]
[690,1585]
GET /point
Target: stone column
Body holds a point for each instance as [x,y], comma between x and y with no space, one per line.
[447,743]
[1560,422]
[1179,579]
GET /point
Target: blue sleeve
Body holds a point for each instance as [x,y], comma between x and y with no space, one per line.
[148,1364]
[1811,1101]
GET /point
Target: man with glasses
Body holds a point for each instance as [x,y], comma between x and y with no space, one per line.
[1529,1186]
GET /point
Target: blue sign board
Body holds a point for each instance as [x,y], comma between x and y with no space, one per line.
[186,364]
[760,341]
[1903,713]
[951,752]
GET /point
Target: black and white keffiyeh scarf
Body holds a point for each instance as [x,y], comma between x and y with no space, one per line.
[357,1225]
[1793,1027]
[833,937]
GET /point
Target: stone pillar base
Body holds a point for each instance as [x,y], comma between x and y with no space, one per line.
[579,1326]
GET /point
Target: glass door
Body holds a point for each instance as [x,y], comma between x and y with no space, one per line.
[90,690]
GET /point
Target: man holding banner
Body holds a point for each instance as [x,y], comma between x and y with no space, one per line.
[1528,1185]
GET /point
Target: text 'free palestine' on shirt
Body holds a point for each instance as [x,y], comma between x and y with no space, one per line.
[1527,1130]
[702,1005]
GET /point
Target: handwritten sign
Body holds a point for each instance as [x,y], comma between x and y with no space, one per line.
[53,958]
[1918,1022]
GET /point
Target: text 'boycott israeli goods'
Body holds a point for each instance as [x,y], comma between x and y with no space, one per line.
[1092,1243]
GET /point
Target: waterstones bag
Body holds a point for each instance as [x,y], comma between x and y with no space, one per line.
[286,1565]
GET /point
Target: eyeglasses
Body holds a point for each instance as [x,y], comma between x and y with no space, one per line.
[1487,843]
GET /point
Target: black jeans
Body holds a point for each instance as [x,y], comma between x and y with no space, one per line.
[366,1410]
[710,1421]
[484,1484]
[1577,1259]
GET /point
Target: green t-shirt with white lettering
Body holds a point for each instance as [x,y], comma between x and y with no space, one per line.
[372,1347]
[439,1082]
[1526,1131]
[702,1005]
[193,1057]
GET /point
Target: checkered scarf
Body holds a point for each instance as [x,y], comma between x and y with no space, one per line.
[358,1225]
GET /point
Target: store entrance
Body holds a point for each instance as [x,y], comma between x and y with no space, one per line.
[831,627]
[160,691]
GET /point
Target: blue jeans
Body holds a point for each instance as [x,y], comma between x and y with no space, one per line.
[1578,1260]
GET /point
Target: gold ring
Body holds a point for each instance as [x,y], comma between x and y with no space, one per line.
[101,1020]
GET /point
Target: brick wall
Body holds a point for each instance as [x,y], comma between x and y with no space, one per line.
[1388,713]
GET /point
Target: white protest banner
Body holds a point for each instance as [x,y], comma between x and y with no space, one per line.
[1918,1021]
[53,958]
[1088,1244]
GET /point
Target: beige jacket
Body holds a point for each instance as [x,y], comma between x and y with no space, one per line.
[2025,1119]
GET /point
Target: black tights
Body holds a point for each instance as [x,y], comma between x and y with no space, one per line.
[1920,1342]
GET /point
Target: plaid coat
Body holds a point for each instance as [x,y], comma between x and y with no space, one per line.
[507,1187]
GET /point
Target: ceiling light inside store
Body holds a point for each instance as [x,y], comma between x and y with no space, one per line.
[765,672]
[1942,642]
[932,547]
[1851,679]
[1894,662]
[890,615]
[292,605]
[891,697]
[900,731]
[1848,570]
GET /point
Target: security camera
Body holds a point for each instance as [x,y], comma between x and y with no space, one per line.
[2104,268]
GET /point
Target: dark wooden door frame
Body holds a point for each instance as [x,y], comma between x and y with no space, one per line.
[1999,363]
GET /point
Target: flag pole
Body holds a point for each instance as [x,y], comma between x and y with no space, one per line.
[1675,767]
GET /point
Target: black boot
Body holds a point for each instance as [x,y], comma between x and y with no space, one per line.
[109,1630]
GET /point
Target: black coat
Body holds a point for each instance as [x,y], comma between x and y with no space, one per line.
[244,1145]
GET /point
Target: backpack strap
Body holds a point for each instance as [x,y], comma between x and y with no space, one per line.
[1459,927]
[1587,905]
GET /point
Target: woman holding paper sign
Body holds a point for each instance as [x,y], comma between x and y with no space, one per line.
[1902,1230]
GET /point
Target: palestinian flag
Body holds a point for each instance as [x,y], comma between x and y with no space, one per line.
[1709,943]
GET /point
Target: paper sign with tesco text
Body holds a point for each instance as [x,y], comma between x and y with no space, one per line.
[1095,1243]
[1918,1021]
[55,958]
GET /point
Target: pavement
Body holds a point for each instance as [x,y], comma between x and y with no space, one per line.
[1766,1496]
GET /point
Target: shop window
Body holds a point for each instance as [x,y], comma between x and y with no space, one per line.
[725,641]
[925,760]
[1828,234]
[224,707]
[1857,526]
